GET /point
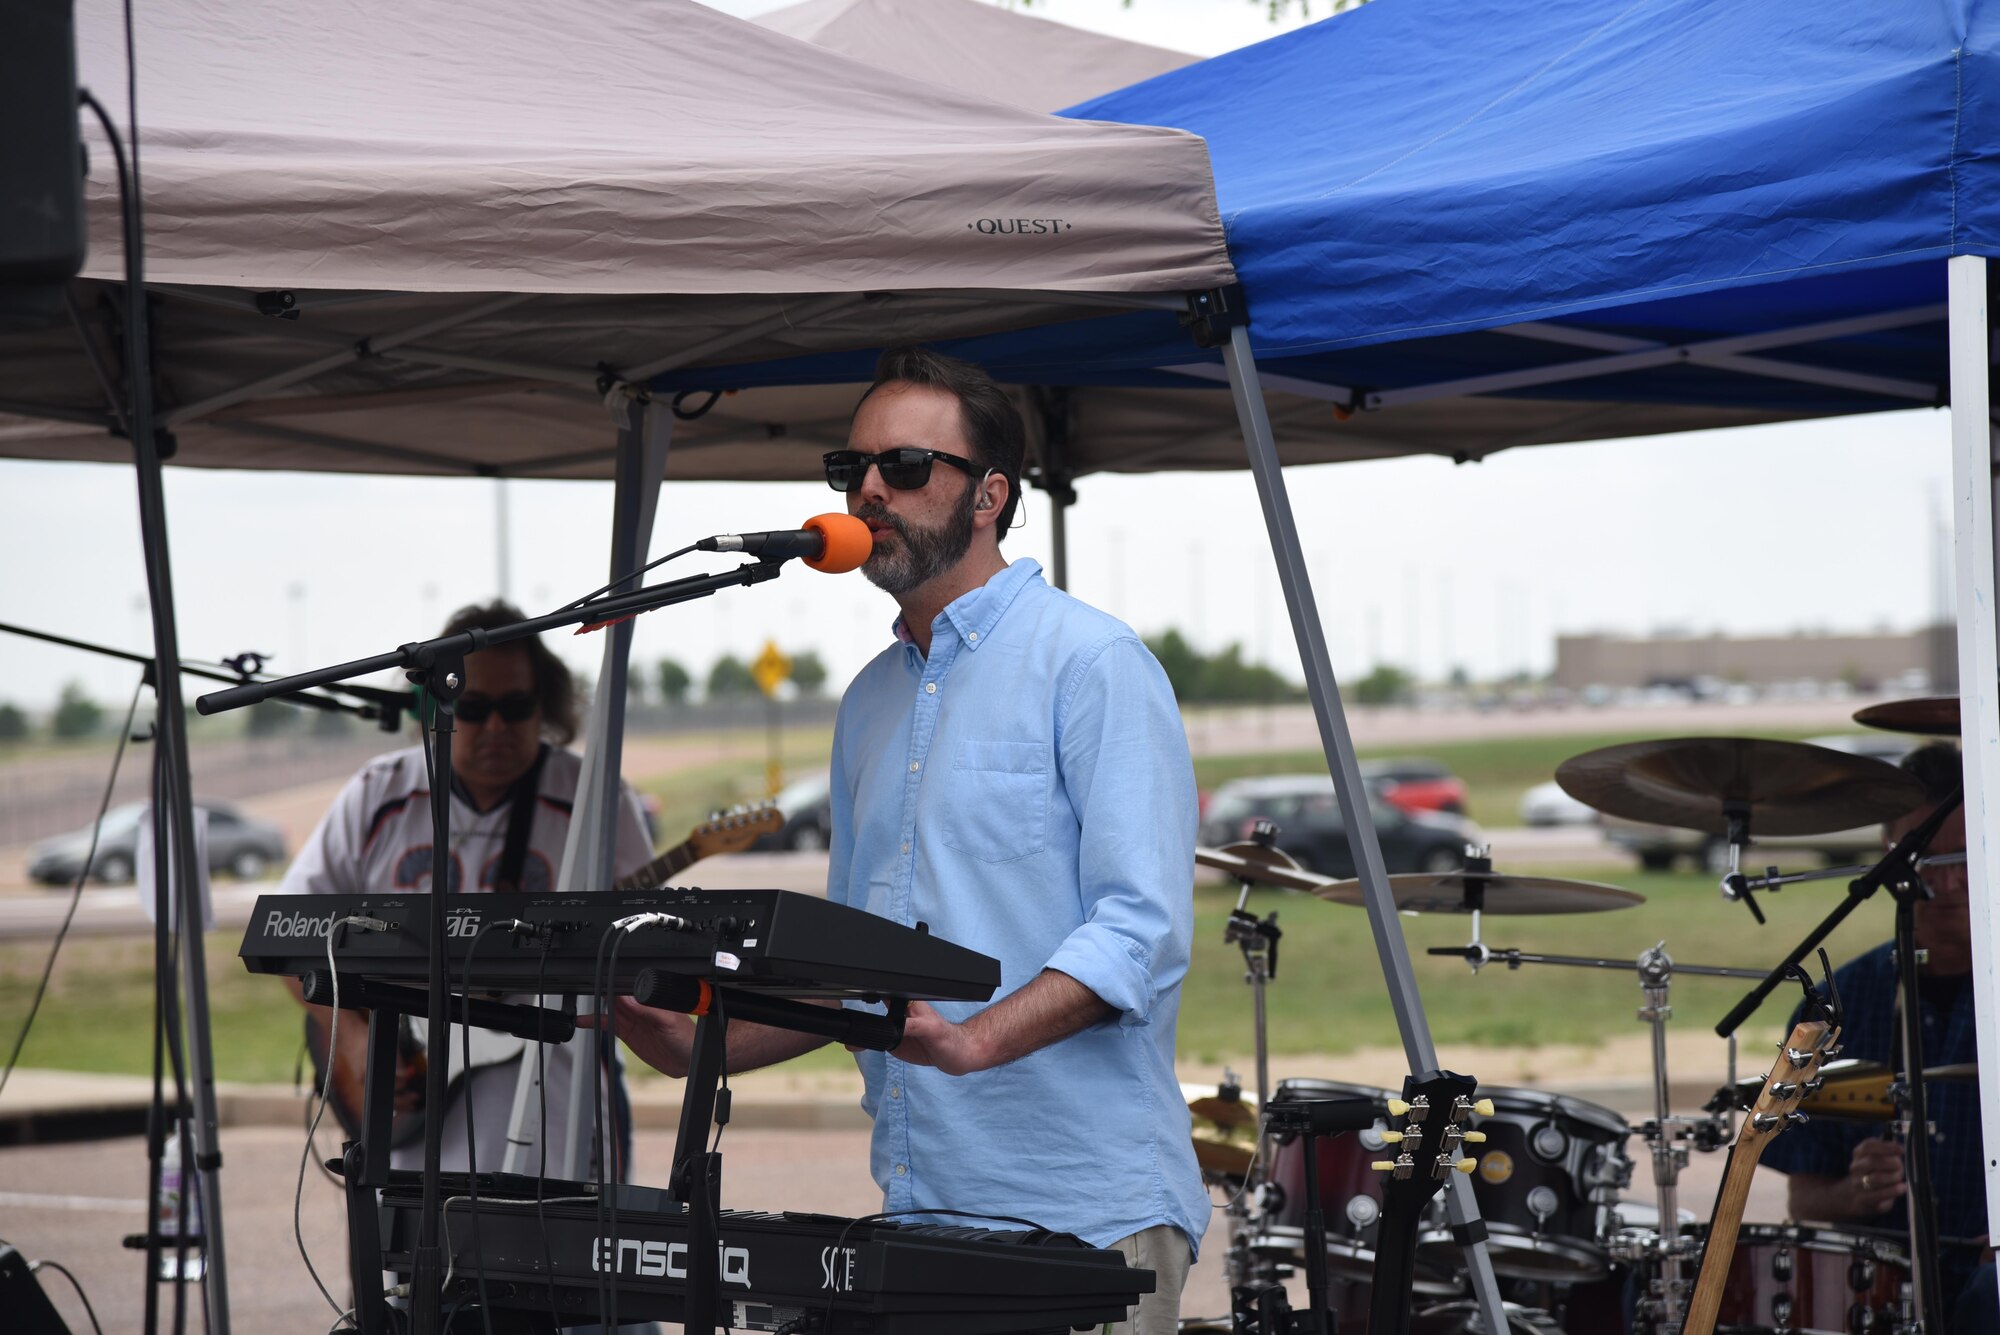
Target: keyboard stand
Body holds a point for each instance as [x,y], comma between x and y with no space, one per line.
[696,1180]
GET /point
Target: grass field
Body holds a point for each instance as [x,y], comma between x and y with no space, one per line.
[1328,996]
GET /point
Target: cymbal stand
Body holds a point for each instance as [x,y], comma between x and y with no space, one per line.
[1258,939]
[1668,1136]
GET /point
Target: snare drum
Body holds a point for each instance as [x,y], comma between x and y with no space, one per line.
[1809,1279]
[1350,1194]
[1548,1167]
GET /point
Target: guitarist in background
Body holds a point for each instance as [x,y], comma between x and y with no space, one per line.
[1849,1173]
[512,787]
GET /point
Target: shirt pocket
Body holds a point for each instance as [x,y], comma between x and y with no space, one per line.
[998,807]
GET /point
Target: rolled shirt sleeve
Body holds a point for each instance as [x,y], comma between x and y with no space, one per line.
[1126,767]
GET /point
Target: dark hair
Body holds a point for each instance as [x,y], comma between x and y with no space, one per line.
[1938,767]
[991,424]
[552,680]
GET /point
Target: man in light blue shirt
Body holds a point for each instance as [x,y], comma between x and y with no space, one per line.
[1013,773]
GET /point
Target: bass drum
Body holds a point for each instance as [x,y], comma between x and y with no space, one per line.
[1350,1193]
[1463,1318]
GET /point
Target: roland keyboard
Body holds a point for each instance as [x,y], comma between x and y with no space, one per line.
[808,1273]
[771,941]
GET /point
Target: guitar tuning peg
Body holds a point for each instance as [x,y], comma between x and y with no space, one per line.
[1397,1107]
[1797,1118]
[1483,1107]
[1474,1137]
[1392,1137]
[1812,1086]
[1384,1165]
[1466,1165]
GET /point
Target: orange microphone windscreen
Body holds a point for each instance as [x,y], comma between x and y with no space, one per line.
[848,542]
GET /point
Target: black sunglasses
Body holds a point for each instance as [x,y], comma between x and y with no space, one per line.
[513,707]
[904,468]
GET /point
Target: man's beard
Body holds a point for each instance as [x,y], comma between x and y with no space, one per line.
[920,554]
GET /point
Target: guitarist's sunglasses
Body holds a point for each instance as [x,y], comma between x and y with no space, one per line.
[513,707]
[904,468]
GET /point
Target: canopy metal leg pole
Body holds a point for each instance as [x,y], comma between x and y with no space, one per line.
[1975,495]
[173,828]
[588,857]
[1338,743]
[1051,416]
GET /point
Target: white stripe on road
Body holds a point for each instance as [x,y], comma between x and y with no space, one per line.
[30,1200]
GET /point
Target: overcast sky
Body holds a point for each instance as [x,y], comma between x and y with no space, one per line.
[1416,561]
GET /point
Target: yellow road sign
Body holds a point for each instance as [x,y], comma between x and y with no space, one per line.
[771,669]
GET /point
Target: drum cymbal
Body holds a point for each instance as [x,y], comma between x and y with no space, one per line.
[1930,715]
[1855,1091]
[1263,866]
[1488,892]
[1224,1129]
[1694,783]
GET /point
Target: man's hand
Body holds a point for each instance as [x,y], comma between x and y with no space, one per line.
[1049,1009]
[931,1040]
[664,1040]
[1874,1180]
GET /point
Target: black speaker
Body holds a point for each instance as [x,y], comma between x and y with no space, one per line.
[28,1309]
[41,158]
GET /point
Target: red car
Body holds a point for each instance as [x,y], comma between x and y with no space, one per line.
[1415,785]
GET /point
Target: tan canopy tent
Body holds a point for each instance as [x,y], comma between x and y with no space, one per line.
[468,221]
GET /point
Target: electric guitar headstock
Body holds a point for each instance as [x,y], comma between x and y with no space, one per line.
[730,831]
[1435,1109]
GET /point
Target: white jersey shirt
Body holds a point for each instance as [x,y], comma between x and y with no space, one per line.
[376,837]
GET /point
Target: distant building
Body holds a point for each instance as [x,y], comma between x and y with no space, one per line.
[1866,662]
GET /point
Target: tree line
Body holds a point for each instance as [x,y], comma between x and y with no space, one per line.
[1197,678]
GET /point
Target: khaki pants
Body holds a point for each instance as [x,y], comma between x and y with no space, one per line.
[1162,1249]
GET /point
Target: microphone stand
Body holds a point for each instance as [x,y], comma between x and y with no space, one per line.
[438,667]
[382,707]
[1899,870]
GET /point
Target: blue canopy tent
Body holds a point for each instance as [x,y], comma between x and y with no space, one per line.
[1636,207]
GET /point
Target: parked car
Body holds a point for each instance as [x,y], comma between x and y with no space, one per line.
[237,844]
[1547,804]
[1659,847]
[1416,785]
[1311,829]
[807,805]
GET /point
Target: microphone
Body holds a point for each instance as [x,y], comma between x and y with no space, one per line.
[833,543]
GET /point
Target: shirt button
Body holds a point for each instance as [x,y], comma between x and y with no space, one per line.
[906,845]
[914,764]
[902,1170]
[974,636]
[930,688]
[895,1091]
